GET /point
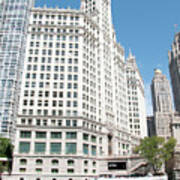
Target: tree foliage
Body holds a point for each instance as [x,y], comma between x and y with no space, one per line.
[6,148]
[156,150]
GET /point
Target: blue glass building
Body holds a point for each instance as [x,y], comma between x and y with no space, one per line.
[14,15]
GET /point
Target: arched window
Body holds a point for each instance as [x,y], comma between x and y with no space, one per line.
[85,162]
[70,162]
[39,161]
[55,162]
[23,161]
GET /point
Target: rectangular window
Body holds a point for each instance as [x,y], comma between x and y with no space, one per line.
[40,147]
[70,171]
[25,134]
[93,148]
[55,148]
[71,148]
[24,147]
[85,149]
[40,135]
[68,123]
[56,135]
[85,137]
[38,170]
[93,139]
[71,135]
[54,171]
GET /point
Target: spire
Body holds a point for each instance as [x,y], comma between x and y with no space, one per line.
[130,54]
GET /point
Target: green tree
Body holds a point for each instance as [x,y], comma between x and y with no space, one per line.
[6,150]
[156,151]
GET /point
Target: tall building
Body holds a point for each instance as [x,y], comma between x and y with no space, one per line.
[174,68]
[14,17]
[136,98]
[162,104]
[73,116]
[151,126]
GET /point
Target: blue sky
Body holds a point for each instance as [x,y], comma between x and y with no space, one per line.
[145,26]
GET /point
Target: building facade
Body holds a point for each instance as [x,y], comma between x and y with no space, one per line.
[151,126]
[174,68]
[162,104]
[73,116]
[136,98]
[14,16]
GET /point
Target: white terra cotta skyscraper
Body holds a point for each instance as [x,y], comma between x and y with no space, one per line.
[73,116]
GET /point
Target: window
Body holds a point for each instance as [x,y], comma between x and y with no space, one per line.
[22,169]
[40,147]
[55,162]
[70,148]
[70,162]
[93,148]
[40,135]
[39,161]
[85,149]
[93,139]
[54,171]
[85,163]
[70,171]
[38,170]
[85,137]
[74,123]
[55,148]
[94,163]
[56,135]
[23,161]
[68,123]
[71,135]
[25,134]
[69,94]
[24,147]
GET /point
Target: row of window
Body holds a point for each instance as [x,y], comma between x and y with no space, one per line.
[52,37]
[49,60]
[55,162]
[46,112]
[43,135]
[55,148]
[72,23]
[55,94]
[56,171]
[58,122]
[51,30]
[54,103]
[50,122]
[56,76]
[33,84]
[48,68]
[50,52]
[53,170]
[57,135]
[54,16]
